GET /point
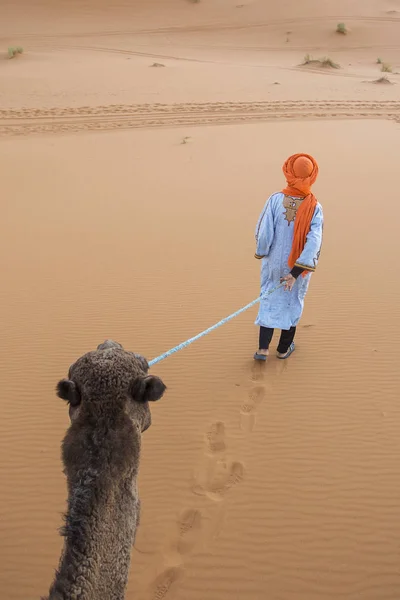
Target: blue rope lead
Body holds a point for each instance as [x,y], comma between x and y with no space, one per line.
[210,329]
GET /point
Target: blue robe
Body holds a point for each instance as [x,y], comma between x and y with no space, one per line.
[274,237]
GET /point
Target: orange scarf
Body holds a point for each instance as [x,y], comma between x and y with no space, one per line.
[301,171]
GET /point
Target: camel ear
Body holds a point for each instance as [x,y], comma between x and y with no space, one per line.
[147,389]
[67,390]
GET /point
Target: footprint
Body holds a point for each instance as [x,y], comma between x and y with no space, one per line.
[248,416]
[189,528]
[258,394]
[236,474]
[257,371]
[224,479]
[281,367]
[198,489]
[248,410]
[216,437]
[211,469]
[217,486]
[214,523]
[165,581]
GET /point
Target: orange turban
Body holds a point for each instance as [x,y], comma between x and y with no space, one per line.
[301,171]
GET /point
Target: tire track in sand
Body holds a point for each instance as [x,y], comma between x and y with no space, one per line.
[391,17]
[174,57]
[14,122]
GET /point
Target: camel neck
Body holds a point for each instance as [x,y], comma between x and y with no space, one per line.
[94,539]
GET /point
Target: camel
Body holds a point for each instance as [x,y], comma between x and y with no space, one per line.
[108,392]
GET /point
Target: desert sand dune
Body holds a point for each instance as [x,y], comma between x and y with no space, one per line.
[130,196]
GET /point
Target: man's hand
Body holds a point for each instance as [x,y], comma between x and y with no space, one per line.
[289,282]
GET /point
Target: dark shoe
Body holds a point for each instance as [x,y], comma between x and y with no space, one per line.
[290,351]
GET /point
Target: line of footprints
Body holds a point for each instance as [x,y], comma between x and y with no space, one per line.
[257,394]
[216,477]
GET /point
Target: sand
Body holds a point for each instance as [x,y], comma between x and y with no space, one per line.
[277,481]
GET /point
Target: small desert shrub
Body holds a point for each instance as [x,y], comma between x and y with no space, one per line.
[328,62]
[321,62]
[383,79]
[14,51]
[341,28]
[386,68]
[378,61]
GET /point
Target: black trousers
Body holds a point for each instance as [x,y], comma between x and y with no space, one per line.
[287,337]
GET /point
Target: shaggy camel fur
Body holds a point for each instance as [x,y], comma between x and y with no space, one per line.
[108,392]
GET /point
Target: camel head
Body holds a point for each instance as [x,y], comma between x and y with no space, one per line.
[109,381]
